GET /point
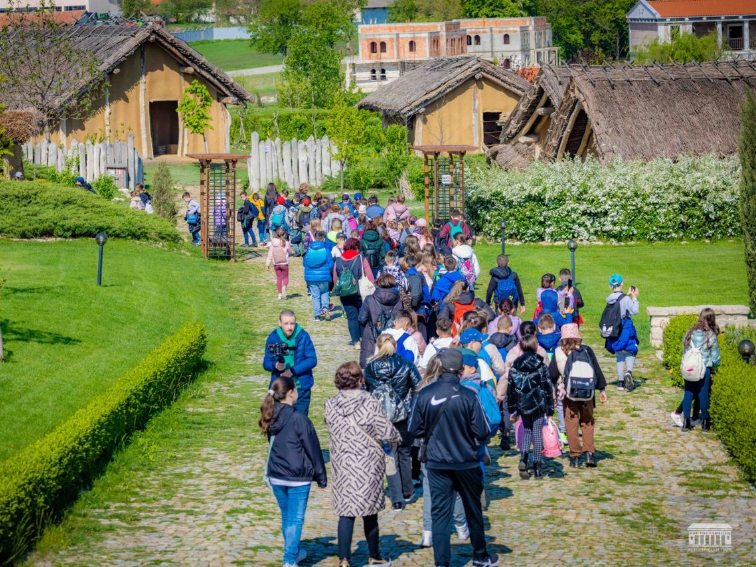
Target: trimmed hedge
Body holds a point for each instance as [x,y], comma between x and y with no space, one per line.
[38,483]
[672,349]
[40,210]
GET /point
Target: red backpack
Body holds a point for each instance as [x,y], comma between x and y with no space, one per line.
[459,312]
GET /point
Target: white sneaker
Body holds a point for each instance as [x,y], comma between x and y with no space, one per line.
[621,386]
[284,292]
[301,556]
[677,419]
[463,532]
[427,539]
[357,345]
[279,296]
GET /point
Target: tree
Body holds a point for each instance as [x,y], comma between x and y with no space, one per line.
[164,192]
[684,48]
[439,10]
[346,130]
[492,8]
[135,8]
[194,108]
[747,155]
[43,69]
[276,21]
[185,11]
[403,11]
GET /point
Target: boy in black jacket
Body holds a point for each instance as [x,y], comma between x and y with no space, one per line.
[565,276]
[502,271]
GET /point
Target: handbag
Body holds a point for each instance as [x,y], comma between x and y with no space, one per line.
[552,448]
[389,460]
[266,478]
[422,453]
[366,286]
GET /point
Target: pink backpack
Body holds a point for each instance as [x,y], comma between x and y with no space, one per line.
[552,448]
[352,223]
[466,269]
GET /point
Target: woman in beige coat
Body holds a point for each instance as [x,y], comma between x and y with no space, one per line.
[357,425]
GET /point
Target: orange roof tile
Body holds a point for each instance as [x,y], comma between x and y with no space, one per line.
[528,73]
[685,8]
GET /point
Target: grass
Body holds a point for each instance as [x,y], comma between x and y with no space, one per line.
[188,173]
[234,54]
[264,85]
[67,340]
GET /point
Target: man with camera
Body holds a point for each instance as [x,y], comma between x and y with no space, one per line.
[289,352]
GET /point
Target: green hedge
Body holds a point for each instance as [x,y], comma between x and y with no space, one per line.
[40,210]
[39,482]
[733,405]
[672,351]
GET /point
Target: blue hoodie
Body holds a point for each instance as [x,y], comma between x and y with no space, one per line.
[318,263]
[549,341]
[550,304]
[444,284]
[305,359]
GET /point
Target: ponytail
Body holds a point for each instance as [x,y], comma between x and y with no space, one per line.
[386,346]
[278,390]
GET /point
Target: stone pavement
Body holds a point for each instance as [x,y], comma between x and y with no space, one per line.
[203,503]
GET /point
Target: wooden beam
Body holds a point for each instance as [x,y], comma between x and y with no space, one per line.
[568,130]
[187,70]
[533,118]
[586,136]
[229,100]
[529,139]
[546,111]
[143,103]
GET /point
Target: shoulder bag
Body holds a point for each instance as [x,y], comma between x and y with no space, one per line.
[390,463]
[422,453]
[366,286]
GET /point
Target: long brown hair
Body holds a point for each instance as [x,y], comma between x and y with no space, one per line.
[707,322]
[278,390]
[569,345]
[432,371]
[459,287]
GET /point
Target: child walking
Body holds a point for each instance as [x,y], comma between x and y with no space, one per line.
[530,395]
[624,347]
[278,254]
[703,336]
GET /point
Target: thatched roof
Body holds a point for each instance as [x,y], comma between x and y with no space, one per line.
[113,44]
[506,156]
[414,90]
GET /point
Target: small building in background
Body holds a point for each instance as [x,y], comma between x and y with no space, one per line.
[375,12]
[450,101]
[734,22]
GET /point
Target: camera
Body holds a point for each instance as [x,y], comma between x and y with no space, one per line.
[280,350]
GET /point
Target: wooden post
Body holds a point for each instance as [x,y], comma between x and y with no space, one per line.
[426,181]
[204,207]
[435,183]
[229,189]
[452,193]
[146,153]
[462,182]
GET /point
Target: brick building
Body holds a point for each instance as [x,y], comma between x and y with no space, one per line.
[387,51]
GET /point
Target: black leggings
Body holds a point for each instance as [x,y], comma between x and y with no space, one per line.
[346,528]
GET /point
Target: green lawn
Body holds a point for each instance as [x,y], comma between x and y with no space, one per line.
[188,173]
[264,85]
[66,340]
[234,54]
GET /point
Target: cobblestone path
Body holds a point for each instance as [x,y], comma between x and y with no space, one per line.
[194,495]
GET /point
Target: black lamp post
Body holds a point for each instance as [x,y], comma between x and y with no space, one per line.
[503,226]
[572,246]
[101,239]
[746,349]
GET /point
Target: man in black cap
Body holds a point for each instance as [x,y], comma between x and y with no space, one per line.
[452,423]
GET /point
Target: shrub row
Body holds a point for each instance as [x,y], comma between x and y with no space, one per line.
[40,210]
[37,484]
[672,349]
[692,198]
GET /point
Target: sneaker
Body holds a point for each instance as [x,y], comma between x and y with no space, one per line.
[486,457]
[279,297]
[344,563]
[379,561]
[427,539]
[408,500]
[695,422]
[398,506]
[491,561]
[574,462]
[357,345]
[505,445]
[301,556]
[563,438]
[417,483]
[317,319]
[325,314]
[463,532]
[621,385]
[629,382]
[590,460]
[677,419]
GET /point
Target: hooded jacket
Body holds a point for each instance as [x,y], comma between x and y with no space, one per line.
[382,299]
[295,454]
[465,298]
[502,273]
[707,343]
[359,266]
[375,211]
[406,345]
[443,285]
[460,431]
[493,326]
[305,359]
[396,212]
[530,390]
[549,340]
[550,305]
[465,252]
[398,274]
[283,212]
[559,360]
[318,263]
[502,341]
[393,380]
[371,244]
[443,236]
[278,243]
[628,339]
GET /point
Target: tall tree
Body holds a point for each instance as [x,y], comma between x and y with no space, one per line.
[492,8]
[276,21]
[135,8]
[346,129]
[194,108]
[403,11]
[42,67]
[747,155]
[684,48]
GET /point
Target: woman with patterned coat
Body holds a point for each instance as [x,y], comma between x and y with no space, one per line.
[357,425]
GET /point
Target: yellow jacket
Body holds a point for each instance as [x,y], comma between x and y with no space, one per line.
[260,204]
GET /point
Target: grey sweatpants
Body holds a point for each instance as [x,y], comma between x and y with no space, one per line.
[459,510]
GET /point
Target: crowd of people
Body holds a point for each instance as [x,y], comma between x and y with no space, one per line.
[439,371]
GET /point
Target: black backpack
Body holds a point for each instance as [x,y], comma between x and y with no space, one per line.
[373,257]
[416,289]
[240,216]
[610,325]
[385,321]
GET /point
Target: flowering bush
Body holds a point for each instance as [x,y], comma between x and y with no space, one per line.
[692,198]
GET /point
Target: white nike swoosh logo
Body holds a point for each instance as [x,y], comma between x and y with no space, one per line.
[435,402]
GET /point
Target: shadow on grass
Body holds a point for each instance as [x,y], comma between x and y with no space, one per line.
[46,289]
[15,333]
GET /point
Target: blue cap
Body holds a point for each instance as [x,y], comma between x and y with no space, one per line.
[471,335]
[469,358]
[615,279]
[357,196]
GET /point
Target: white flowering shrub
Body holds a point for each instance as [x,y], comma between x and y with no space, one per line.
[690,199]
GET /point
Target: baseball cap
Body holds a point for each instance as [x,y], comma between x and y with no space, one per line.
[469,358]
[471,335]
[358,196]
[280,200]
[615,279]
[345,197]
[341,235]
[19,174]
[451,360]
[422,223]
[306,201]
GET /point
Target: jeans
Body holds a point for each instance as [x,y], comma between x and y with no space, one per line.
[303,401]
[346,529]
[400,484]
[248,235]
[560,413]
[443,485]
[459,510]
[196,234]
[261,230]
[352,305]
[292,500]
[625,362]
[697,390]
[320,297]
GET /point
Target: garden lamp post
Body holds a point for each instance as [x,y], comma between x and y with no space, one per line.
[101,239]
[503,226]
[746,349]
[572,246]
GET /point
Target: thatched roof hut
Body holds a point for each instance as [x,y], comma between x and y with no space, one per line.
[633,112]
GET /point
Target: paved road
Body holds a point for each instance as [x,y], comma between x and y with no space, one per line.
[256,71]
[202,501]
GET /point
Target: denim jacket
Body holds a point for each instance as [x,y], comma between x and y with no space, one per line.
[708,344]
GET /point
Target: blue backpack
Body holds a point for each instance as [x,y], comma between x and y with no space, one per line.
[402,351]
[277,220]
[506,289]
[488,401]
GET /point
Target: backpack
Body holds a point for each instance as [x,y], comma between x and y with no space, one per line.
[384,323]
[507,289]
[403,351]
[488,401]
[303,217]
[528,390]
[254,212]
[610,325]
[459,312]
[373,257]
[454,230]
[416,289]
[352,223]
[279,254]
[579,376]
[277,220]
[240,216]
[692,366]
[346,284]
[466,269]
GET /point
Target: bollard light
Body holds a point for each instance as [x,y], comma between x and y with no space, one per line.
[100,239]
[746,349]
[503,226]
[572,246]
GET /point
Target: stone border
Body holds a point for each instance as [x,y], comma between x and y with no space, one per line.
[736,315]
